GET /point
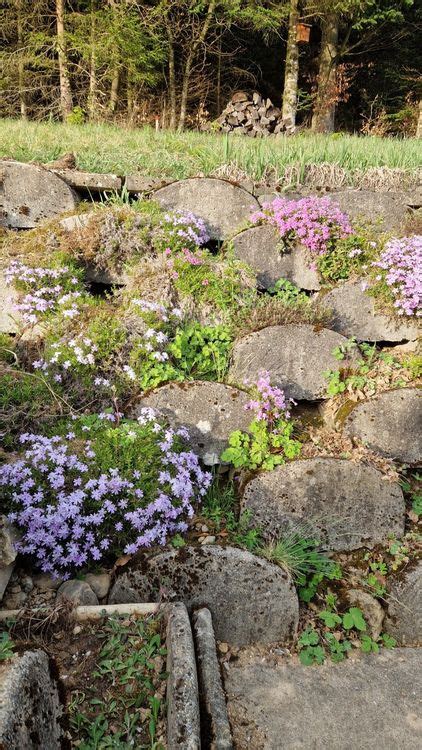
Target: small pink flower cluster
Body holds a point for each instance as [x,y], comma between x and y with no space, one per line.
[270,403]
[400,267]
[315,222]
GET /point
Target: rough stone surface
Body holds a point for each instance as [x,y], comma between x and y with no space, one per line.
[350,505]
[211,691]
[9,315]
[222,205]
[250,599]
[354,314]
[210,411]
[99,582]
[29,704]
[262,249]
[89,180]
[390,423]
[183,720]
[79,592]
[8,537]
[404,614]
[372,610]
[295,355]
[77,221]
[385,211]
[29,194]
[368,702]
[45,582]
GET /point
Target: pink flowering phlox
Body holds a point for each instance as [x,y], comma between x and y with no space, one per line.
[270,403]
[400,267]
[46,290]
[315,222]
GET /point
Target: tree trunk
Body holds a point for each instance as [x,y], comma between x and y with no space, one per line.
[21,64]
[326,98]
[189,62]
[66,103]
[114,89]
[172,80]
[419,125]
[291,74]
[92,96]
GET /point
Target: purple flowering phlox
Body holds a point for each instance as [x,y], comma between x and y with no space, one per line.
[46,290]
[185,228]
[315,222]
[400,267]
[71,511]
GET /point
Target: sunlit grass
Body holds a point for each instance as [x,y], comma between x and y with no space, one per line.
[109,148]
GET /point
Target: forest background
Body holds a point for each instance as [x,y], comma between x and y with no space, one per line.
[350,65]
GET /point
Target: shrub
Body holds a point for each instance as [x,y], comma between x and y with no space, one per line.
[106,487]
[315,222]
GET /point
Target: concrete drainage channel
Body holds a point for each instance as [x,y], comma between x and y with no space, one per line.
[31,707]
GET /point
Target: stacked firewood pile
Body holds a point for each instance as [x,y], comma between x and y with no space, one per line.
[253,116]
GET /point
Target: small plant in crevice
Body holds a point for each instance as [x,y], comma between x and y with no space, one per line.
[108,486]
[348,257]
[299,555]
[6,646]
[220,509]
[269,440]
[289,293]
[374,371]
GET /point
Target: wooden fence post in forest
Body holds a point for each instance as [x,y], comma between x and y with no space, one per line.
[66,102]
[291,74]
[326,97]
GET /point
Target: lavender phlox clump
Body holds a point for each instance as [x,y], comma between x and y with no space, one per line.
[315,222]
[47,290]
[270,403]
[184,228]
[72,510]
[400,267]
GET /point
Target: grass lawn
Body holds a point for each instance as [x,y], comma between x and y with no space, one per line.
[109,148]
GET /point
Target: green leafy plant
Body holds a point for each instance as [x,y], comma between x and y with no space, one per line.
[261,448]
[310,648]
[365,376]
[6,646]
[353,618]
[333,572]
[202,351]
[289,293]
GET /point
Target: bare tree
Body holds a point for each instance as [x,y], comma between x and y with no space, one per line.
[291,72]
[66,101]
